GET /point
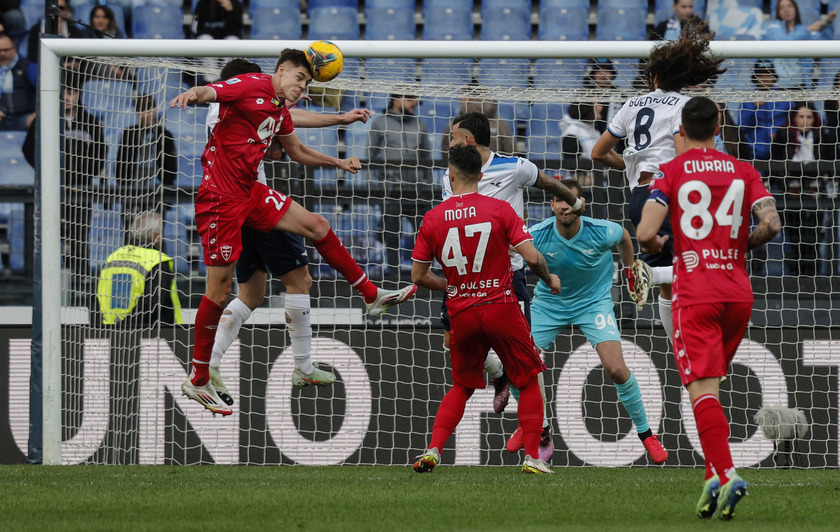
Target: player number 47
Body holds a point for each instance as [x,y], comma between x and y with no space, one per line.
[452,255]
[728,212]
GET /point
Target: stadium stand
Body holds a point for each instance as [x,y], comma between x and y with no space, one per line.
[502,20]
[334,23]
[448,21]
[561,23]
[389,23]
[83,13]
[157,22]
[274,23]
[621,24]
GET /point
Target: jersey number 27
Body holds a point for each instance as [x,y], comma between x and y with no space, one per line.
[452,255]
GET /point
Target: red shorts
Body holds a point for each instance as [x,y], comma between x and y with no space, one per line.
[219,219]
[706,337]
[500,326]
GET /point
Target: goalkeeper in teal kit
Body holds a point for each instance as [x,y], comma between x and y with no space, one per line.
[578,249]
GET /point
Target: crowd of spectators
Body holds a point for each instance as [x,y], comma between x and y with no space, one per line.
[400,152]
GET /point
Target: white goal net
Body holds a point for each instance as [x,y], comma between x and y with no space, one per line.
[124,151]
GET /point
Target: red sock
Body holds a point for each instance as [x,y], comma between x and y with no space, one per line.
[714,434]
[449,414]
[339,259]
[531,416]
[206,320]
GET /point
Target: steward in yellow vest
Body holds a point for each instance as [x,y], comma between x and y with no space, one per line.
[137,283]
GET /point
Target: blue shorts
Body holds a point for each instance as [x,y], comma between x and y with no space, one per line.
[275,252]
[638,198]
[520,288]
[597,323]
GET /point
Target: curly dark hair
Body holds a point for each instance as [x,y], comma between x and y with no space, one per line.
[686,61]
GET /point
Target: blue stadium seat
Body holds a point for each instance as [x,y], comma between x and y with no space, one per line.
[322,4]
[324,140]
[563,4]
[564,23]
[32,13]
[334,23]
[664,9]
[389,24]
[622,4]
[157,22]
[356,140]
[621,25]
[13,215]
[393,4]
[358,226]
[502,20]
[537,212]
[437,114]
[171,3]
[809,16]
[82,13]
[758,4]
[108,97]
[504,72]
[737,76]
[558,73]
[447,23]
[11,142]
[626,71]
[828,69]
[274,23]
[515,112]
[287,6]
[544,133]
[180,237]
[16,171]
[105,235]
[401,70]
[189,131]
[456,71]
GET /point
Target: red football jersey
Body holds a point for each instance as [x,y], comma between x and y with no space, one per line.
[710,196]
[250,114]
[470,236]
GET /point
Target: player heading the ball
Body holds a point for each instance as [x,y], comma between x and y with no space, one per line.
[252,113]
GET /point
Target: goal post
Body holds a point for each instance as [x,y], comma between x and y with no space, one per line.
[395,386]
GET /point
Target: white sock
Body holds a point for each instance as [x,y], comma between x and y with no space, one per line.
[665,316]
[298,321]
[662,275]
[234,315]
[541,381]
[493,365]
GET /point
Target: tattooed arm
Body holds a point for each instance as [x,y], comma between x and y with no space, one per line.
[536,261]
[559,190]
[768,223]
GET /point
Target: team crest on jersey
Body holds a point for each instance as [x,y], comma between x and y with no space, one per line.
[226,250]
[233,81]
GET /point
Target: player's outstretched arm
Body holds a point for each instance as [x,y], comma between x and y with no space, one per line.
[194,96]
[536,262]
[768,226]
[307,119]
[653,215]
[604,153]
[625,249]
[300,153]
[421,275]
[559,190]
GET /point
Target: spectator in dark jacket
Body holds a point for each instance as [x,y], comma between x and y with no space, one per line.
[146,157]
[217,19]
[670,30]
[18,80]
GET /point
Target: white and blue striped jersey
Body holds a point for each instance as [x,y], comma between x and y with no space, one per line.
[584,263]
[213,119]
[649,122]
[504,178]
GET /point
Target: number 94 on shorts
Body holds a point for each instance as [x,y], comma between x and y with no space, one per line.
[597,322]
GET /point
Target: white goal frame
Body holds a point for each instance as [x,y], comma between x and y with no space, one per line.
[53,49]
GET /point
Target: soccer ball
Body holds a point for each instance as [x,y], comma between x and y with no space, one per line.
[325,60]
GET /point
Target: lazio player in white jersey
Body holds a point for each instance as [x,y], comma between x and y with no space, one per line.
[578,249]
[651,124]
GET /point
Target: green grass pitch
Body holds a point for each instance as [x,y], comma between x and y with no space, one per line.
[396,499]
